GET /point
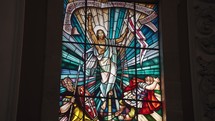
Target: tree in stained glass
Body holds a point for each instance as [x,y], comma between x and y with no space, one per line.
[110,62]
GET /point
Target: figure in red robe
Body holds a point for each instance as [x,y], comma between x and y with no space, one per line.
[142,90]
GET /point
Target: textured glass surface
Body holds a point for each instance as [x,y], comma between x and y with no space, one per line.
[110,62]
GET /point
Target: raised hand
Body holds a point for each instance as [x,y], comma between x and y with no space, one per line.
[157,80]
[67,83]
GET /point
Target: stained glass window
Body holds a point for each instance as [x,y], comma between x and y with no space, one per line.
[111,67]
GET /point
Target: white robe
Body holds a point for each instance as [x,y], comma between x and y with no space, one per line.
[106,63]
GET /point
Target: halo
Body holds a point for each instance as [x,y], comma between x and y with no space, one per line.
[102,28]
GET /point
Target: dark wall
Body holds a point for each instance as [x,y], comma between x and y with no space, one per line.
[41,57]
[33,59]
[11,31]
[174,35]
[6,41]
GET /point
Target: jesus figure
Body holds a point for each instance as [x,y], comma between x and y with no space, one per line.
[106,57]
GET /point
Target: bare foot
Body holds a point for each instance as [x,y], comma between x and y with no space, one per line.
[127,118]
[118,113]
[110,93]
[120,110]
[103,105]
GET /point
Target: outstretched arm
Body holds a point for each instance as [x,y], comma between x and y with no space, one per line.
[90,29]
[122,37]
[153,85]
